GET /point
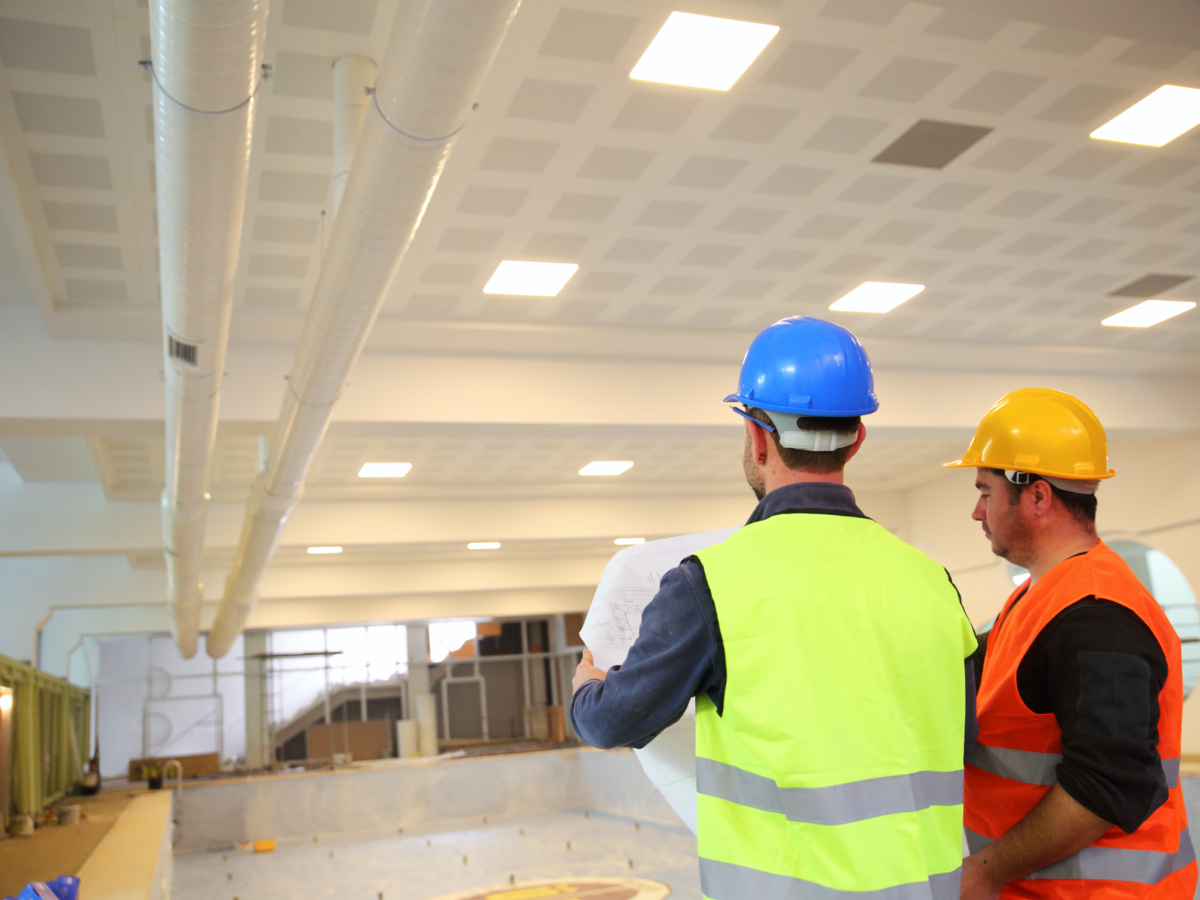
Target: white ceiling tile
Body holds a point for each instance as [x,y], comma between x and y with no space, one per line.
[712,255]
[678,285]
[434,306]
[88,256]
[899,234]
[1152,254]
[750,220]
[1063,41]
[1011,154]
[599,282]
[285,229]
[870,12]
[952,196]
[302,75]
[277,265]
[712,172]
[784,260]
[1156,216]
[647,313]
[1160,171]
[87,290]
[906,79]
[668,214]
[56,114]
[634,250]
[1154,56]
[616,163]
[968,239]
[491,201]
[1096,248]
[753,123]
[794,181]
[1040,278]
[748,289]
[980,273]
[344,17]
[917,270]
[1022,204]
[507,307]
[572,207]
[272,297]
[300,137]
[845,134]
[580,310]
[1032,244]
[469,240]
[96,217]
[714,316]
[505,154]
[655,112]
[1088,163]
[856,264]
[459,274]
[549,101]
[810,66]
[553,247]
[1086,104]
[293,187]
[998,92]
[70,170]
[826,227]
[969,26]
[43,47]
[1091,210]
[875,189]
[586,35]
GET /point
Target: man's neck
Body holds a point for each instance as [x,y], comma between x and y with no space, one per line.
[1060,548]
[773,478]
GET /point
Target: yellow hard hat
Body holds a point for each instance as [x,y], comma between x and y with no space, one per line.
[1040,431]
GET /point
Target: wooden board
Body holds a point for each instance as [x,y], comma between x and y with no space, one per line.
[362,740]
[195,764]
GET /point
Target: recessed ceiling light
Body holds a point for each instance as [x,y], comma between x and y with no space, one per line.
[1148,312]
[702,51]
[1159,118]
[606,467]
[877,297]
[626,542]
[484,545]
[530,279]
[384,470]
[316,550]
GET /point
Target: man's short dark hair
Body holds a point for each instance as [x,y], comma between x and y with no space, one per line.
[823,462]
[1081,506]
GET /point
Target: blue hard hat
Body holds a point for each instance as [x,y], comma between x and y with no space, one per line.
[807,367]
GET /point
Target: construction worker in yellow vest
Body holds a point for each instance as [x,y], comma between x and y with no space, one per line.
[828,659]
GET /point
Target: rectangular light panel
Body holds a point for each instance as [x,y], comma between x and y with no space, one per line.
[318,550]
[877,297]
[484,545]
[629,542]
[702,51]
[1161,117]
[530,279]
[384,470]
[1148,312]
[606,467]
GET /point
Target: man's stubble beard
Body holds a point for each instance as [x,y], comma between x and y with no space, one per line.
[1017,547]
[754,477]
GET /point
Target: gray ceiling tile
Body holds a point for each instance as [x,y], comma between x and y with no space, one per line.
[616,163]
[1089,162]
[1094,249]
[853,264]
[826,228]
[648,313]
[345,16]
[784,260]
[300,137]
[67,170]
[1020,204]
[811,66]
[285,229]
[1086,104]
[714,316]
[678,285]
[753,123]
[1150,285]
[875,189]
[1159,171]
[46,48]
[149,122]
[554,247]
[748,289]
[491,201]
[1063,41]
[506,154]
[998,92]
[899,234]
[631,250]
[432,305]
[906,80]
[281,298]
[1032,244]
[549,101]
[968,238]
[979,274]
[293,187]
[793,181]
[1153,56]
[302,75]
[1156,216]
[952,196]
[668,214]
[88,256]
[845,134]
[917,270]
[91,217]
[1091,210]
[712,255]
[459,274]
[870,12]
[54,114]
[273,265]
[507,307]
[932,145]
[583,207]
[469,240]
[655,112]
[605,282]
[1153,253]
[580,310]
[1011,154]
[589,36]
[88,290]
[749,220]
[971,27]
[1040,278]
[711,172]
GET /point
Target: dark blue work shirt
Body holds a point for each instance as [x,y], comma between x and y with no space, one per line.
[678,653]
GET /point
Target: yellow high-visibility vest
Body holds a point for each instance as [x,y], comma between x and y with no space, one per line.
[837,762]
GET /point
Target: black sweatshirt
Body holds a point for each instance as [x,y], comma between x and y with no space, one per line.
[1099,669]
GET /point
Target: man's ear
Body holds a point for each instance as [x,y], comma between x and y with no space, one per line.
[858,441]
[1040,497]
[759,440]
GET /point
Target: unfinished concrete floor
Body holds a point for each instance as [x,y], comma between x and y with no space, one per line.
[421,864]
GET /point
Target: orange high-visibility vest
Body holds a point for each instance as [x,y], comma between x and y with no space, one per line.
[1014,762]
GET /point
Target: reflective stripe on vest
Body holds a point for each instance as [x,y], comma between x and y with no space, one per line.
[837,804]
[1029,767]
[725,881]
[1110,863]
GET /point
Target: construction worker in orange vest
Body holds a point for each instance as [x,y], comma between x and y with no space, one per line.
[1073,788]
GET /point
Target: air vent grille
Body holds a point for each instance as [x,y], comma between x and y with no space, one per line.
[177,349]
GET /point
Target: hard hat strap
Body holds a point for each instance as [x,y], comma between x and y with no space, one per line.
[1070,485]
[796,438]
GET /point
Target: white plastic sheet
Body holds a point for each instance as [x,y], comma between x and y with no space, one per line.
[628,584]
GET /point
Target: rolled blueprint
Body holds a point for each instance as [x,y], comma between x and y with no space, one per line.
[628,584]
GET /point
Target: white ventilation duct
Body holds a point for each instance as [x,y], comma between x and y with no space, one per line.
[435,62]
[353,78]
[207,63]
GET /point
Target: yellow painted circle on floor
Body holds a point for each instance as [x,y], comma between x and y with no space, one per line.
[591,887]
